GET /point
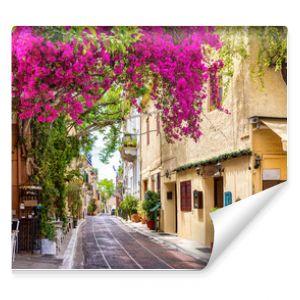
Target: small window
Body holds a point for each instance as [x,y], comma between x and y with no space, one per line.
[148,131]
[158,183]
[145,185]
[185,196]
[212,103]
[157,124]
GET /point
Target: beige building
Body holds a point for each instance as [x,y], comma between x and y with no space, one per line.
[239,154]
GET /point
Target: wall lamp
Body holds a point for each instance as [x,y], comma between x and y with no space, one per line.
[219,169]
[199,170]
[257,162]
[168,174]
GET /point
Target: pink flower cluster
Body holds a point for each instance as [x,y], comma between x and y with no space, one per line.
[54,78]
[184,71]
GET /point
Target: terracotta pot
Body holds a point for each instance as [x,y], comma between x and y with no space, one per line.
[151,224]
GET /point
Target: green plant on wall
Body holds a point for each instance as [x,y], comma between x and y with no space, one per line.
[92,207]
[74,197]
[53,150]
[272,51]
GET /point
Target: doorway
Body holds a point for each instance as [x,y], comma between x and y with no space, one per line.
[170,207]
[218,192]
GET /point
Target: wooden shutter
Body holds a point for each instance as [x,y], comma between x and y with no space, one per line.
[185,196]
[158,182]
[182,195]
[188,196]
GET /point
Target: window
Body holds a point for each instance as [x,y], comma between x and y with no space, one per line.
[185,196]
[145,185]
[152,183]
[158,183]
[148,131]
[157,124]
[212,103]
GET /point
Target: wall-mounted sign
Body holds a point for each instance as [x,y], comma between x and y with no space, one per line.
[227,198]
[271,174]
[198,199]
[169,195]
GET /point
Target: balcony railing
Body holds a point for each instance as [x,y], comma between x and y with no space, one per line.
[128,149]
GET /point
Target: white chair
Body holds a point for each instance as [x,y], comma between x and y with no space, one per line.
[14,237]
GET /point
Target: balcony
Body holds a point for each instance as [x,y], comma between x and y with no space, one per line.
[128,149]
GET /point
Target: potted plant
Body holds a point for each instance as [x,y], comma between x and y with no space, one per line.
[150,204]
[48,244]
[142,213]
[129,205]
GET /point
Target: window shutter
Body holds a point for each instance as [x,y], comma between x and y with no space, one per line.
[188,196]
[158,182]
[182,195]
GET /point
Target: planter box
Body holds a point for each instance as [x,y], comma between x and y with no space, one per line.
[48,247]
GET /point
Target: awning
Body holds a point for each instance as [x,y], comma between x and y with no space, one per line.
[280,128]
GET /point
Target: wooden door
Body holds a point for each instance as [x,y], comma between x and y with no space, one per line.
[218,192]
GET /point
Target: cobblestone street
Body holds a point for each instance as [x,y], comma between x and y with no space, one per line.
[106,243]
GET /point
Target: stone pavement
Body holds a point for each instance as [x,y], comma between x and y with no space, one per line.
[35,261]
[189,247]
[62,260]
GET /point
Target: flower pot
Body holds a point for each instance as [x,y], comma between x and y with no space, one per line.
[151,224]
[48,247]
[74,223]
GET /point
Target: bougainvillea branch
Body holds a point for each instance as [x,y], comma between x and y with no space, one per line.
[68,77]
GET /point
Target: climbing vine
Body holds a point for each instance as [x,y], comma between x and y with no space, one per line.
[53,150]
[272,51]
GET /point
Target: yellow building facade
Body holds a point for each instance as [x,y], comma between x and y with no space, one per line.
[239,154]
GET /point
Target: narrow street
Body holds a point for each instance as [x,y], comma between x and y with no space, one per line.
[104,242]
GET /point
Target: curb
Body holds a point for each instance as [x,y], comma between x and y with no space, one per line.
[68,259]
[165,242]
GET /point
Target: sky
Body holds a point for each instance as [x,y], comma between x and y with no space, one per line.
[104,170]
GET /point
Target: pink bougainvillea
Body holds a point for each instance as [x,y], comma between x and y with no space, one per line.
[54,78]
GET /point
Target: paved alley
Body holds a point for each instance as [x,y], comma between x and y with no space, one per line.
[104,242]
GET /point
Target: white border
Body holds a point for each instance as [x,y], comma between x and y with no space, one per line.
[262,262]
